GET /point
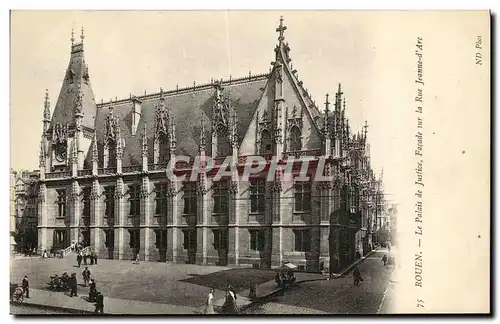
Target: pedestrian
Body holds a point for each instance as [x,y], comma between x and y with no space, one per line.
[277,278]
[65,281]
[209,307]
[357,276]
[92,291]
[91,256]
[95,258]
[384,260]
[231,289]
[389,247]
[85,257]
[72,245]
[137,258]
[74,285]
[230,306]
[86,276]
[253,291]
[79,259]
[26,286]
[99,304]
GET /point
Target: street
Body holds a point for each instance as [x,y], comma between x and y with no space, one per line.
[186,285]
[337,296]
[30,310]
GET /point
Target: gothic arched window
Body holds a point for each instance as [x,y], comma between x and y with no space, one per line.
[111,154]
[295,139]
[163,147]
[266,143]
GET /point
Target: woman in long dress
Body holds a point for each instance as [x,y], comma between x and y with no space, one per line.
[209,307]
[230,306]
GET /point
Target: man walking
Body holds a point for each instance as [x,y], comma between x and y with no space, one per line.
[384,260]
[86,276]
[79,259]
[26,286]
[99,305]
[73,285]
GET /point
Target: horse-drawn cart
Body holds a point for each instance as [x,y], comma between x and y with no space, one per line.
[285,275]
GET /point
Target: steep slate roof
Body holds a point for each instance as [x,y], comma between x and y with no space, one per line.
[76,76]
[187,107]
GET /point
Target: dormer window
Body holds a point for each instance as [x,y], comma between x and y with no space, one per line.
[223,143]
[266,143]
[111,154]
[295,139]
[163,148]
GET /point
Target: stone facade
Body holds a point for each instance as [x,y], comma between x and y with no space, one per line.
[104,173]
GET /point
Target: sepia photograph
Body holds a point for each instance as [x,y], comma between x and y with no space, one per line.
[249,162]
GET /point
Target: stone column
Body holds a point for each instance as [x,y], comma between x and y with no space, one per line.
[173,189]
[120,221]
[202,219]
[75,214]
[145,220]
[96,217]
[233,232]
[277,229]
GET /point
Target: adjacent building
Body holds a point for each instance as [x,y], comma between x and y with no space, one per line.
[104,172]
[24,204]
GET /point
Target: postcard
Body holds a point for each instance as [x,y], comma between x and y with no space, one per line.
[250,162]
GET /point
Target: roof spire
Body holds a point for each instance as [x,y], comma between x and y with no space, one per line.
[365,129]
[144,141]
[82,36]
[46,106]
[281,30]
[42,152]
[72,36]
[95,152]
[202,134]
[327,104]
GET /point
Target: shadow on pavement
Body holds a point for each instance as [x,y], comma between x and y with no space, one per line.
[240,278]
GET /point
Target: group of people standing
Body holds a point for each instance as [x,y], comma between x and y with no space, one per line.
[90,257]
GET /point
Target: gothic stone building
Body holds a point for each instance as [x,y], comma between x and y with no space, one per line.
[103,172]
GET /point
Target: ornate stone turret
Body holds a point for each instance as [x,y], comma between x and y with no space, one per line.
[42,159]
[46,112]
[203,139]
[95,156]
[144,149]
[119,151]
[327,129]
[74,159]
[281,60]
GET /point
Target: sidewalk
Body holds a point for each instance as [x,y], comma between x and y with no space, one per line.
[353,265]
[269,288]
[79,305]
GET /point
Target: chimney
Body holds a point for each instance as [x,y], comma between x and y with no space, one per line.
[136,114]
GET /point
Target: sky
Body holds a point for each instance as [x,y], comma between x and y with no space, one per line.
[130,52]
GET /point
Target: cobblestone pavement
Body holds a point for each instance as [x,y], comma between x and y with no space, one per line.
[337,296]
[165,283]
